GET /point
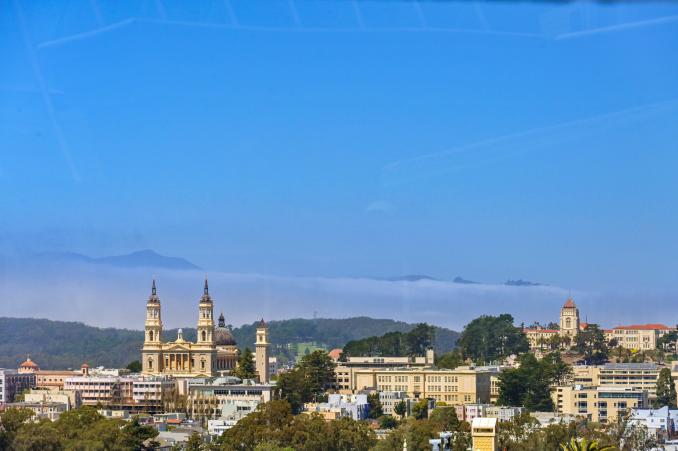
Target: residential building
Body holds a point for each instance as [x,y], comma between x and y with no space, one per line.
[226,397]
[659,422]
[70,398]
[12,383]
[133,393]
[389,399]
[635,375]
[339,406]
[53,379]
[465,384]
[639,337]
[47,410]
[601,404]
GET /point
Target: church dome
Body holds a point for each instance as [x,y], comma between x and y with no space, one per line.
[223,337]
[222,334]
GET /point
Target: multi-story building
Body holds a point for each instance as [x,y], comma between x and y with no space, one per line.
[225,397]
[389,399]
[459,386]
[601,404]
[339,406]
[53,378]
[71,399]
[639,337]
[132,393]
[48,410]
[344,371]
[12,382]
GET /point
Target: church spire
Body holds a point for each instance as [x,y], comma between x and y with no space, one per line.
[153,293]
[222,321]
[206,291]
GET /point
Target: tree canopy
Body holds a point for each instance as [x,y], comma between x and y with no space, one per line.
[492,338]
[414,342]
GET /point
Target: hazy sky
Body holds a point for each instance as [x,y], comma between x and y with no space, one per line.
[491,140]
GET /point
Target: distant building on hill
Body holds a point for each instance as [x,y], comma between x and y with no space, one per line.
[214,352]
[12,382]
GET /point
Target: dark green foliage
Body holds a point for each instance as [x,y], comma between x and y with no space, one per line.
[529,384]
[273,426]
[492,338]
[308,381]
[414,342]
[376,410]
[591,343]
[450,360]
[666,389]
[387,422]
[79,429]
[420,409]
[246,368]
[400,408]
[135,366]
[444,418]
[61,345]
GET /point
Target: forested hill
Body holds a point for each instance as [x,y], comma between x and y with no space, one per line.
[60,345]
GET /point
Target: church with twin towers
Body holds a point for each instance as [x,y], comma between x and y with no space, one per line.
[215,351]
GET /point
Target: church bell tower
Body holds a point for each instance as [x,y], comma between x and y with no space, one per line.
[152,350]
[262,345]
[206,318]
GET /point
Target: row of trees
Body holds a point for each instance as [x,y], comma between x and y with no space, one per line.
[414,342]
[78,429]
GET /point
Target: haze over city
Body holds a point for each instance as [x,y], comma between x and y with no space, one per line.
[300,156]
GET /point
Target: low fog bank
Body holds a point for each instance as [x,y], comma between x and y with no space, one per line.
[115,297]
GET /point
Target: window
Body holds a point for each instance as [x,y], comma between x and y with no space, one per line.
[204,335]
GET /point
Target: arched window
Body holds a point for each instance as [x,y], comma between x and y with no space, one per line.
[150,335]
[568,323]
[202,364]
[150,364]
[204,335]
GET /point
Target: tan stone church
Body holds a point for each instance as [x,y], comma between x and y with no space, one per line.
[215,351]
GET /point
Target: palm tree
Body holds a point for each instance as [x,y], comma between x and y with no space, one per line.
[584,445]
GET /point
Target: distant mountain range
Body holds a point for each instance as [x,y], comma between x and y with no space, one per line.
[61,345]
[458,279]
[144,258]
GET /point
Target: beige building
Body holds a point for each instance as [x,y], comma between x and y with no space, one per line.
[214,351]
[639,337]
[570,325]
[262,358]
[344,371]
[628,375]
[602,404]
[458,386]
[484,434]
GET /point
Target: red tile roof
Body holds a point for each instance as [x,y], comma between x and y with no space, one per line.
[569,304]
[544,331]
[335,353]
[644,327]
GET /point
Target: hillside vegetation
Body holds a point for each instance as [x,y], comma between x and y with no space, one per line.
[60,345]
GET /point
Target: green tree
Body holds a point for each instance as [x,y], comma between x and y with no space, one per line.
[491,338]
[450,360]
[11,420]
[666,389]
[318,371]
[387,422]
[291,386]
[246,368]
[584,445]
[375,405]
[194,442]
[591,343]
[400,408]
[555,369]
[529,384]
[420,339]
[444,419]
[40,436]
[420,409]
[134,366]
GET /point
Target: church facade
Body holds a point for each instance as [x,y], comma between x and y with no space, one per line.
[213,353]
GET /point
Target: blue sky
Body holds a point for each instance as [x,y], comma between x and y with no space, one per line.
[491,140]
